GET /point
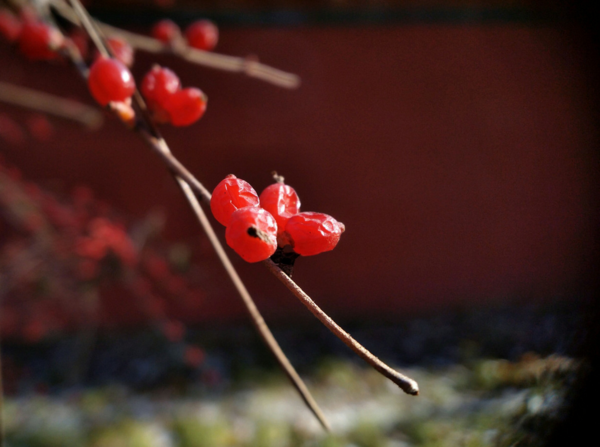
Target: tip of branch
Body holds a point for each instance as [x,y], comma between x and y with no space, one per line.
[411,387]
[408,385]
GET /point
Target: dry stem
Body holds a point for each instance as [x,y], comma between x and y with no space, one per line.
[50,104]
[407,384]
[249,65]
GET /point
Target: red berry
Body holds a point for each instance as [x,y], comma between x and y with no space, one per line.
[313,233]
[120,49]
[202,34]
[38,41]
[252,233]
[166,31]
[28,14]
[158,86]
[281,201]
[231,194]
[109,80]
[10,25]
[186,106]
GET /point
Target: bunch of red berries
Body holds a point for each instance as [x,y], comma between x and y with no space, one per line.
[109,78]
[256,226]
[168,102]
[36,39]
[111,82]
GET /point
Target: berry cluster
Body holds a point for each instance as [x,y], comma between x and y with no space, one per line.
[256,226]
[36,39]
[111,82]
[109,79]
[168,102]
[201,34]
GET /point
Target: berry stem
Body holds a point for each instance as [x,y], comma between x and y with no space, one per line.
[408,385]
[278,178]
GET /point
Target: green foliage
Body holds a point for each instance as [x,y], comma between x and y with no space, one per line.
[191,432]
[126,434]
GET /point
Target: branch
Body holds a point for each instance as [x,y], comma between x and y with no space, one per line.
[50,104]
[248,66]
[152,137]
[407,384]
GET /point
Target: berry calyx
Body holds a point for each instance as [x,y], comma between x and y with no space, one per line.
[202,35]
[158,86]
[186,106]
[281,201]
[39,41]
[166,31]
[109,80]
[230,195]
[313,233]
[10,25]
[252,233]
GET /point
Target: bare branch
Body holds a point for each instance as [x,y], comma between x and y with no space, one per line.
[52,105]
[184,178]
[407,384]
[248,66]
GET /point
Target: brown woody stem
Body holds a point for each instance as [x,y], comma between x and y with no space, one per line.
[248,66]
[407,384]
[50,104]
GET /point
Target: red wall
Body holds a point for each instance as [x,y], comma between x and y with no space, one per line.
[459,158]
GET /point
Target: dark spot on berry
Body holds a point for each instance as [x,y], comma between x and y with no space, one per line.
[252,232]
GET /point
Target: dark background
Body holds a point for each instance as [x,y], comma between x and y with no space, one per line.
[455,141]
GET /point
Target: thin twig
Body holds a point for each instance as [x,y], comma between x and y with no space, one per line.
[50,104]
[87,23]
[248,66]
[407,384]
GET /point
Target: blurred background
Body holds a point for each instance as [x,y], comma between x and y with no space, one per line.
[455,139]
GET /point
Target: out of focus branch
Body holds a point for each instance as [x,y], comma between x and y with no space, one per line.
[248,66]
[53,105]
